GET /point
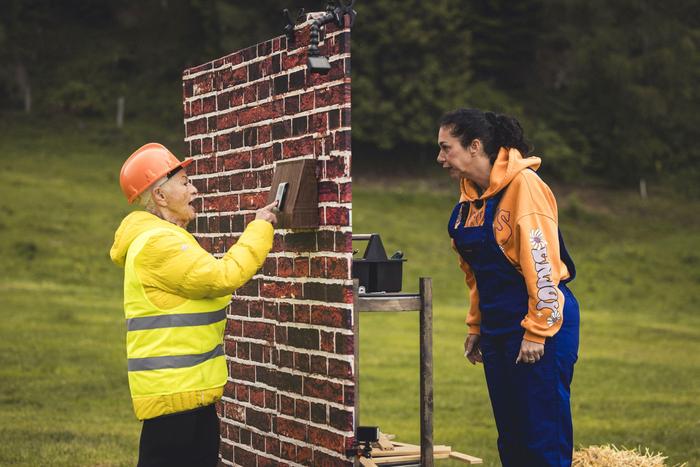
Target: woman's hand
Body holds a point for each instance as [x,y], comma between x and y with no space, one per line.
[268,213]
[530,352]
[472,348]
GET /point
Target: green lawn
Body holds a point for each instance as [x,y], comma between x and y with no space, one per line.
[63,392]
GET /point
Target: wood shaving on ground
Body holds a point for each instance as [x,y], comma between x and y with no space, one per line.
[612,456]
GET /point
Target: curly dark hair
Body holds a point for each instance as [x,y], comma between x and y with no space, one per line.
[494,130]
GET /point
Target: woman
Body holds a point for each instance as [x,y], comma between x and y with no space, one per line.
[523,321]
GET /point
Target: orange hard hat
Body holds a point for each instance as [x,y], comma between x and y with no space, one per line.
[146,165]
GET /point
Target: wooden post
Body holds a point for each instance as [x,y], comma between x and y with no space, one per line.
[426,372]
[120,112]
[356,347]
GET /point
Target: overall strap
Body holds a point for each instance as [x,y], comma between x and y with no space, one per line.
[491,208]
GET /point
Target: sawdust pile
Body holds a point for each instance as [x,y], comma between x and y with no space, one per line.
[611,456]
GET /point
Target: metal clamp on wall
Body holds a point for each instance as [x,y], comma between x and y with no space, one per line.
[318,63]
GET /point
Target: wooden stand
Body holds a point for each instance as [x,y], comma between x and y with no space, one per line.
[423,303]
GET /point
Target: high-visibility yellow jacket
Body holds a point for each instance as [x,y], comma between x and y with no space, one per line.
[175,296]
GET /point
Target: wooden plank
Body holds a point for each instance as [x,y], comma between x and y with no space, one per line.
[384,442]
[465,458]
[389,303]
[409,451]
[426,372]
[366,462]
[417,457]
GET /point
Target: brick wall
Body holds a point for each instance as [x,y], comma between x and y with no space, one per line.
[289,341]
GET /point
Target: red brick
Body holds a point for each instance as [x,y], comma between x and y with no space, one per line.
[272,446]
[331,316]
[226,451]
[305,455]
[196,127]
[257,330]
[300,242]
[288,450]
[301,267]
[242,392]
[227,120]
[221,203]
[253,200]
[209,104]
[327,341]
[337,268]
[244,456]
[349,395]
[298,147]
[255,309]
[303,338]
[273,289]
[294,60]
[318,413]
[346,192]
[270,399]
[266,462]
[302,409]
[250,94]
[319,365]
[207,145]
[264,134]
[286,312]
[327,191]
[262,156]
[334,95]
[242,350]
[336,167]
[236,160]
[302,362]
[318,123]
[321,459]
[323,389]
[250,289]
[342,140]
[343,242]
[339,368]
[337,216]
[245,436]
[326,439]
[318,266]
[302,313]
[250,180]
[306,101]
[324,292]
[260,420]
[242,371]
[291,429]
[203,84]
[291,105]
[235,412]
[286,405]
[344,344]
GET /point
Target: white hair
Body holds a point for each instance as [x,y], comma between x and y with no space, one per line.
[145,199]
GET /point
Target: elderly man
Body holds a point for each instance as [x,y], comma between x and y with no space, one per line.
[175,297]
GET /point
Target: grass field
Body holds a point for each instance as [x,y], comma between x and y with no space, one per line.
[63,390]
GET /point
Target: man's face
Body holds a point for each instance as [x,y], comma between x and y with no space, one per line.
[178,194]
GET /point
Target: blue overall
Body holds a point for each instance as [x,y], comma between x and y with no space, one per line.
[530,401]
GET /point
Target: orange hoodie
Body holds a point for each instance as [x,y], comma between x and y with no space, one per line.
[526,229]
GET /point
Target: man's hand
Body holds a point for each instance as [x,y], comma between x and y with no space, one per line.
[268,213]
[472,348]
[530,352]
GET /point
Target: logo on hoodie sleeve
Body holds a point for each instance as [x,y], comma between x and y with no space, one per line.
[547,293]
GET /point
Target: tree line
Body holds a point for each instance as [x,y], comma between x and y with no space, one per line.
[606,89]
